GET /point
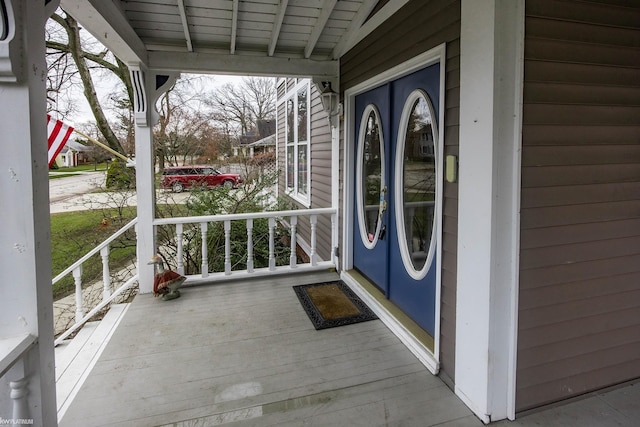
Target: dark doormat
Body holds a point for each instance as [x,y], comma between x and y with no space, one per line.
[332,304]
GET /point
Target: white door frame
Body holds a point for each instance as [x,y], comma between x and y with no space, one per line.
[433,56]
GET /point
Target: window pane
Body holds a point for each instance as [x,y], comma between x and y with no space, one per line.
[371,173]
[290,166]
[290,122]
[302,168]
[419,178]
[302,115]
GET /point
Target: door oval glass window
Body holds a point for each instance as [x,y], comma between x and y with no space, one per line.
[370,173]
[415,189]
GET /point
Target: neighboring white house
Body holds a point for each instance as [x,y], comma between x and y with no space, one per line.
[74,154]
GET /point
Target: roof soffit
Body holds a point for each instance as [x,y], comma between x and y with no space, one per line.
[107,23]
[265,37]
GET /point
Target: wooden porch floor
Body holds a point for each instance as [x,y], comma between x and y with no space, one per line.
[245,353]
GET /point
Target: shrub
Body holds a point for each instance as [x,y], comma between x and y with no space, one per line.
[119,176]
[253,196]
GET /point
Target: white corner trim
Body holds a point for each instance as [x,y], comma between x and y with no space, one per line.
[516,159]
[472,405]
[491,79]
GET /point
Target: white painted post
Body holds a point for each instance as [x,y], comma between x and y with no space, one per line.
[143,84]
[26,302]
[491,82]
[179,252]
[293,259]
[77,278]
[106,277]
[205,255]
[250,245]
[272,256]
[227,247]
[314,222]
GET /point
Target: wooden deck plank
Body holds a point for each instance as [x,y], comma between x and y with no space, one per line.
[246,352]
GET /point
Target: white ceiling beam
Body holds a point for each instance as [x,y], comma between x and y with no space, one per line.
[363,12]
[376,20]
[107,23]
[185,24]
[325,13]
[277,26]
[234,27]
[238,64]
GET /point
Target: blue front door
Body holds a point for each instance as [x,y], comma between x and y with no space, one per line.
[397,198]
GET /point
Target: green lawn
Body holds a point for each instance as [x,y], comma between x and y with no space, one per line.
[73,234]
[89,167]
[64,172]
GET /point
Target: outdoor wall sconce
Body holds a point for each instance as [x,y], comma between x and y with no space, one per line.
[331,103]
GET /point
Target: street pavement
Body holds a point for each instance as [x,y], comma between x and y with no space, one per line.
[85,191]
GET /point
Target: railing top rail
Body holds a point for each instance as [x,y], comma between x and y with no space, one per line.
[243,216]
[95,250]
[12,349]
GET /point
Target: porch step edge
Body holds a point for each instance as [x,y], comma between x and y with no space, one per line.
[77,359]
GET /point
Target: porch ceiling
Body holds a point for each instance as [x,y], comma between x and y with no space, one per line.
[258,37]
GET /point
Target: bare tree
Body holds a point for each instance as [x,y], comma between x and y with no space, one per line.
[70,44]
[238,108]
[184,129]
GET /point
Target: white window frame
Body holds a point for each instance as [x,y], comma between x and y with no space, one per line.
[292,95]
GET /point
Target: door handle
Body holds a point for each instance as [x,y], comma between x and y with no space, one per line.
[383,232]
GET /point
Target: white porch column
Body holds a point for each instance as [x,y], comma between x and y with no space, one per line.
[491,62]
[26,305]
[147,87]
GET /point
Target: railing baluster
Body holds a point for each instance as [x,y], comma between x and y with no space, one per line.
[205,258]
[77,278]
[272,255]
[227,247]
[179,249]
[106,277]
[293,259]
[313,219]
[19,391]
[290,217]
[250,245]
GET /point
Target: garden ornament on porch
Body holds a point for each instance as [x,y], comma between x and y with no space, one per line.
[165,282]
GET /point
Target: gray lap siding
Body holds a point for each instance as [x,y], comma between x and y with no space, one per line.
[579,328]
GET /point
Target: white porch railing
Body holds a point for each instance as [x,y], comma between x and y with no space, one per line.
[290,220]
[108,295]
[12,353]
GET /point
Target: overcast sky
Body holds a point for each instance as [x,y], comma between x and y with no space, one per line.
[104,87]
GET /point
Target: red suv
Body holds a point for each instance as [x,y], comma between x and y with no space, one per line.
[178,178]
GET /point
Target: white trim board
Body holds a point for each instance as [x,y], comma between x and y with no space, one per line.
[491,80]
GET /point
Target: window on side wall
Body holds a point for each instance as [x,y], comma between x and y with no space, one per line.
[298,142]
